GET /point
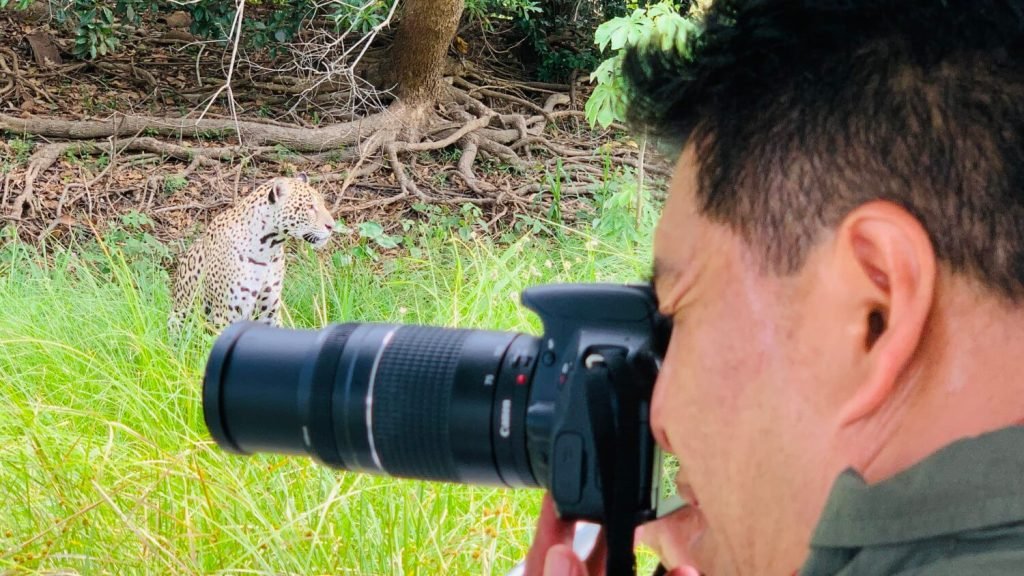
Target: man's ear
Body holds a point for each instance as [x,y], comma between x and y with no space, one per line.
[278,190]
[889,263]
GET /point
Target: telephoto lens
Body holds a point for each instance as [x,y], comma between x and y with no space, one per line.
[399,400]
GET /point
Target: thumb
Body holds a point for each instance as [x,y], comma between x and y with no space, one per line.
[562,561]
[684,571]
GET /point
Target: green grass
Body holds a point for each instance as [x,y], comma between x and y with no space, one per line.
[106,466]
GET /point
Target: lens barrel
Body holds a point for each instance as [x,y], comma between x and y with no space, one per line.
[401,400]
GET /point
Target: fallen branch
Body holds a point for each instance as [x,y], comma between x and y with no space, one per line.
[251,133]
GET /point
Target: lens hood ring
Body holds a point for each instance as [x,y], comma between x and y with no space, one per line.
[219,357]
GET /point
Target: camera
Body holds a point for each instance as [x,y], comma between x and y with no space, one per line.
[567,411]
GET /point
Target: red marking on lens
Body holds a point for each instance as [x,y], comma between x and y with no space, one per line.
[521,379]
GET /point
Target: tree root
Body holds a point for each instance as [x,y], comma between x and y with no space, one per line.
[392,140]
[39,162]
[249,132]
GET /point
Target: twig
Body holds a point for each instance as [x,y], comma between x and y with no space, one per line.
[236,36]
[190,207]
[640,181]
[375,203]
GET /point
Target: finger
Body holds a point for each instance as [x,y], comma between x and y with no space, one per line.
[672,536]
[551,531]
[562,561]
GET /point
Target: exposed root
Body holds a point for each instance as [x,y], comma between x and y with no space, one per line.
[39,162]
[474,119]
[406,184]
[250,133]
[473,90]
[465,168]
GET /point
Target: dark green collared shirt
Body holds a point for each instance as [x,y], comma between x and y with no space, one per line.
[958,512]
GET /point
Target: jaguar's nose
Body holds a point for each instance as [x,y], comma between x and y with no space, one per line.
[329,226]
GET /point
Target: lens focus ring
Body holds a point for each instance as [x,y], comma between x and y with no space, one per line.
[412,402]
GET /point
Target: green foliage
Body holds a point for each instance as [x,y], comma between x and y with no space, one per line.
[616,217]
[132,236]
[21,148]
[94,34]
[554,38]
[102,439]
[359,16]
[133,10]
[437,222]
[374,232]
[174,182]
[212,18]
[554,182]
[267,23]
[18,4]
[371,240]
[281,24]
[488,12]
[661,22]
[549,36]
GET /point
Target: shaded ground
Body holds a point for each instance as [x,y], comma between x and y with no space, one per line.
[51,184]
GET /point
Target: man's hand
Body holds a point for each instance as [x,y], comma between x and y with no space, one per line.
[551,553]
[671,537]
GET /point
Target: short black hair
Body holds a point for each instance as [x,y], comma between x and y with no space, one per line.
[801,110]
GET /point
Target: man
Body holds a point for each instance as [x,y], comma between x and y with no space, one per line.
[842,252]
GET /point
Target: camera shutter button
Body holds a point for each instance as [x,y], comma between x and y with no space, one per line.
[548,358]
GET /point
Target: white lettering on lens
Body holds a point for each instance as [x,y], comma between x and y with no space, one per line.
[506,418]
[489,380]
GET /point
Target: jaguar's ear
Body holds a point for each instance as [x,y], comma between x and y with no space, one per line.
[277,191]
[302,176]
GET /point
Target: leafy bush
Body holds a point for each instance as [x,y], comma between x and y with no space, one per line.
[359,16]
[94,34]
[662,22]
[267,23]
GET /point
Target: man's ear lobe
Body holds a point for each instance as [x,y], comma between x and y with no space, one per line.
[277,191]
[891,262]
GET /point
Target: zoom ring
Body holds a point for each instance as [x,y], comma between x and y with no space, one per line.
[412,402]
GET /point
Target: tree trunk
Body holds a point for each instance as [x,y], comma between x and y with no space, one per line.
[420,48]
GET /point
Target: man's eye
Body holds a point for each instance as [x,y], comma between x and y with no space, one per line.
[662,333]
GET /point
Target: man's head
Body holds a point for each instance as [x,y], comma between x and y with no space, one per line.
[842,250]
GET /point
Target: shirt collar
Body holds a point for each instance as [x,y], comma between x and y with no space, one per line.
[970,484]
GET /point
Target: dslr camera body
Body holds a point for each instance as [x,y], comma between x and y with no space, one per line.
[567,412]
